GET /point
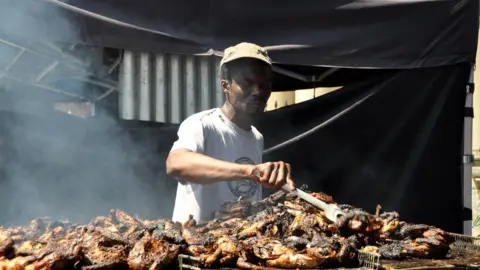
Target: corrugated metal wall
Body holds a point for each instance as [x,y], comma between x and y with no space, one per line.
[167,88]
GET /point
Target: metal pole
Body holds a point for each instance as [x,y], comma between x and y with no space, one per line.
[468,156]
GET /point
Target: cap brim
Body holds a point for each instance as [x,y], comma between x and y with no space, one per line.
[263,59]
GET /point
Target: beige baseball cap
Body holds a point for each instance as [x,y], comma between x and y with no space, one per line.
[245,50]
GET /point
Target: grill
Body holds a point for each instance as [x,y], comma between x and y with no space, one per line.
[191,263]
[465,250]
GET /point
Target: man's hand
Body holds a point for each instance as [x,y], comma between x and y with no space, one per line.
[273,174]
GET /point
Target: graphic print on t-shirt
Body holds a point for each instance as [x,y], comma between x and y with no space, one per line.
[243,188]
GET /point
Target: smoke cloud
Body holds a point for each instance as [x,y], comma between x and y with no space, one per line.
[59,165]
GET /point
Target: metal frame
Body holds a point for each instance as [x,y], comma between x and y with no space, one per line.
[59,56]
[467,153]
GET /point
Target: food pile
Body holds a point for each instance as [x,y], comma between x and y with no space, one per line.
[280,231]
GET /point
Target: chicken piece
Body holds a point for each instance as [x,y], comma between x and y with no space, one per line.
[234,223]
[194,237]
[168,230]
[53,256]
[40,224]
[235,209]
[324,248]
[4,234]
[273,230]
[52,234]
[347,207]
[216,233]
[390,221]
[323,197]
[99,246]
[118,216]
[268,249]
[436,248]
[395,250]
[297,243]
[17,234]
[412,231]
[7,249]
[104,222]
[298,207]
[271,200]
[226,253]
[243,263]
[358,221]
[425,248]
[290,260]
[390,224]
[151,253]
[216,224]
[348,253]
[335,250]
[191,222]
[268,213]
[439,235]
[256,228]
[278,221]
[305,224]
[64,256]
[27,263]
[129,226]
[29,248]
[276,255]
[198,243]
[229,215]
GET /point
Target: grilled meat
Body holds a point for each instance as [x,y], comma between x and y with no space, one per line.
[280,231]
[151,252]
[426,248]
[116,241]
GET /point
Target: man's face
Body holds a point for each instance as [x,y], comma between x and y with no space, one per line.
[250,87]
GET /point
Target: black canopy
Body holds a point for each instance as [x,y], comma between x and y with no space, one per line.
[343,33]
[392,135]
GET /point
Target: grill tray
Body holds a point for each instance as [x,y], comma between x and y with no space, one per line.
[466,250]
[367,261]
[191,263]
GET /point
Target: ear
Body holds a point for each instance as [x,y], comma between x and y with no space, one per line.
[225,86]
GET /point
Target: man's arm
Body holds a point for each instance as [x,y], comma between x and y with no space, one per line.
[186,160]
[201,169]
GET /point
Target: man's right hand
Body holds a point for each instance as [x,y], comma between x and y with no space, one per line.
[273,174]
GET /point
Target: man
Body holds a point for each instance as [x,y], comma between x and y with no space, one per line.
[218,154]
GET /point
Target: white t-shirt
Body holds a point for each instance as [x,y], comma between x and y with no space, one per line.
[210,133]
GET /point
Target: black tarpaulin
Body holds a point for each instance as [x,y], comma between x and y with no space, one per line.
[394,140]
[345,33]
[393,137]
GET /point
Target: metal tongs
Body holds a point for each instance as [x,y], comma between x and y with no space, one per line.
[332,211]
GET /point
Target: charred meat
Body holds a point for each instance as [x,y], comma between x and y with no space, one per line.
[280,231]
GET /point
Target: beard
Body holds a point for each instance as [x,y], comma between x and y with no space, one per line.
[255,106]
[250,108]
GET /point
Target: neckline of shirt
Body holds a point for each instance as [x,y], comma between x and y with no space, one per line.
[233,125]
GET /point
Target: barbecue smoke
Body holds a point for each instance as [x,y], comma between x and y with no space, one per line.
[59,165]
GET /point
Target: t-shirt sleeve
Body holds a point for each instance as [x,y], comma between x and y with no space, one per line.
[190,136]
